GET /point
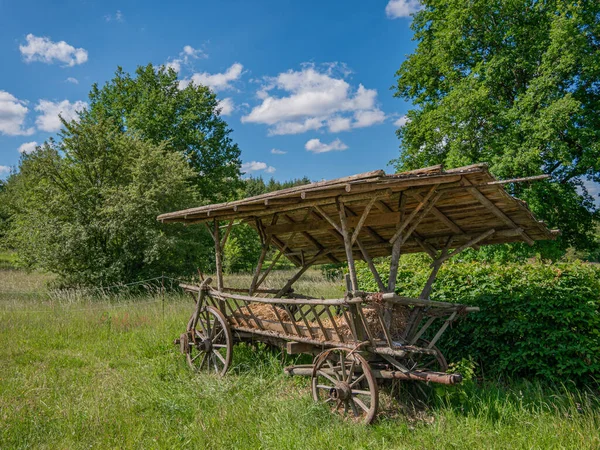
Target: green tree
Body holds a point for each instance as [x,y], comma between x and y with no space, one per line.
[516,84]
[187,120]
[256,185]
[85,207]
[4,214]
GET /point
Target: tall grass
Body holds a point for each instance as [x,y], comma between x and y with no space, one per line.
[103,373]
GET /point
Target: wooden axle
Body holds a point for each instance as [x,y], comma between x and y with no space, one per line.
[415,375]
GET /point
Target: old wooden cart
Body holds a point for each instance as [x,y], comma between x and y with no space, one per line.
[363,336]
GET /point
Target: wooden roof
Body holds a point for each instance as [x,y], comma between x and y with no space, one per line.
[434,205]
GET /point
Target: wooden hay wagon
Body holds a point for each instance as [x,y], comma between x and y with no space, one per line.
[363,336]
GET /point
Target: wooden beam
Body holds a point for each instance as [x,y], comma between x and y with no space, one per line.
[347,245]
[496,211]
[362,219]
[396,247]
[455,228]
[466,245]
[369,230]
[218,255]
[298,274]
[423,214]
[414,212]
[372,220]
[311,239]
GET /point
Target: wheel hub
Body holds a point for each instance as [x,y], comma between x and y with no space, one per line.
[341,391]
[204,345]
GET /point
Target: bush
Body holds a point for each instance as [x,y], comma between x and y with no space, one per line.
[537,320]
[85,208]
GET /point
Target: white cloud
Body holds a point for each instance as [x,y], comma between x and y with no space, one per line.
[44,50]
[185,56]
[118,17]
[175,65]
[276,151]
[4,170]
[227,106]
[12,115]
[27,147]
[49,119]
[337,124]
[402,8]
[316,146]
[313,98]
[367,118]
[216,81]
[72,80]
[402,121]
[256,166]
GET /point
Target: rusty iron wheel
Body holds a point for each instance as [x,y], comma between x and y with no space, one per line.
[211,343]
[345,382]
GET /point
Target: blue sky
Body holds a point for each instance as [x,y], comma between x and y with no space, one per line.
[305,84]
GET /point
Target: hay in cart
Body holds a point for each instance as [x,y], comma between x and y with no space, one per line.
[363,336]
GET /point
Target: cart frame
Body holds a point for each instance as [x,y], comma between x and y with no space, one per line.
[364,216]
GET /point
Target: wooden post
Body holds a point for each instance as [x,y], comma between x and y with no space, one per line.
[348,246]
[395,261]
[218,252]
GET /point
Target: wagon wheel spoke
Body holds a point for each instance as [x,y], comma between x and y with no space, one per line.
[332,367]
[204,355]
[213,329]
[360,392]
[359,379]
[219,345]
[350,372]
[354,409]
[360,403]
[343,365]
[218,355]
[324,375]
[324,386]
[218,335]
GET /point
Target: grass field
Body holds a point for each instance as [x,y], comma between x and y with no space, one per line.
[78,372]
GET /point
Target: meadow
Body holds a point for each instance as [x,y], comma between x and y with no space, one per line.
[99,370]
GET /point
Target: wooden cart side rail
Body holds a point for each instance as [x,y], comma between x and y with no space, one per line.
[287,301]
[411,301]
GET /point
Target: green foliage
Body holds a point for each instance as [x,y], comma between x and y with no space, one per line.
[85,208]
[242,249]
[256,185]
[186,121]
[4,213]
[537,320]
[514,84]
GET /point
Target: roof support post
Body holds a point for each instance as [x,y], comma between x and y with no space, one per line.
[395,261]
[340,234]
[218,253]
[347,245]
[265,241]
[412,215]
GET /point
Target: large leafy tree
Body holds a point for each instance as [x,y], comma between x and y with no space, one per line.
[186,119]
[85,207]
[517,84]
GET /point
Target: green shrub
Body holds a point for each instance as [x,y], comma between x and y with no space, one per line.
[537,320]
